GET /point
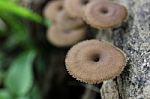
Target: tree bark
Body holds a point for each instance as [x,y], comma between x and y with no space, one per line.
[133,37]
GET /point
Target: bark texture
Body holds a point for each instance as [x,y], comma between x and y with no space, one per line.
[133,37]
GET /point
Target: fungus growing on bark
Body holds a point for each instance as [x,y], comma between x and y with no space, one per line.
[75,7]
[66,22]
[105,14]
[52,9]
[65,38]
[94,61]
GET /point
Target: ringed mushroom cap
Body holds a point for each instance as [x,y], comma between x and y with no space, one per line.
[66,22]
[52,9]
[105,14]
[75,7]
[65,38]
[94,61]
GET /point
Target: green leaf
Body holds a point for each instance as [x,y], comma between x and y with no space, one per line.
[2,26]
[35,93]
[23,97]
[4,94]
[18,32]
[12,7]
[20,78]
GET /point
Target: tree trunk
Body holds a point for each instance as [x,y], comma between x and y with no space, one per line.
[133,37]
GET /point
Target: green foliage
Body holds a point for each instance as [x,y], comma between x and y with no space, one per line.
[20,79]
[16,73]
[4,94]
[35,93]
[18,32]
[23,97]
[2,26]
[20,11]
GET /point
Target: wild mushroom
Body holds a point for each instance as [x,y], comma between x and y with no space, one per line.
[65,38]
[94,61]
[66,22]
[52,8]
[105,14]
[75,7]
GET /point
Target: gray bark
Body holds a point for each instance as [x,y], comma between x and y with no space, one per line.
[133,37]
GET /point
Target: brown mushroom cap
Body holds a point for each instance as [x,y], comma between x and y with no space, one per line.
[75,7]
[93,61]
[52,9]
[105,14]
[66,22]
[65,38]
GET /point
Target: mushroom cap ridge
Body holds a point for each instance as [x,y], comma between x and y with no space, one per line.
[105,14]
[65,38]
[75,7]
[81,64]
[64,21]
[52,8]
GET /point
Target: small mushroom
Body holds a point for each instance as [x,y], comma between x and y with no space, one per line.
[65,38]
[52,9]
[94,61]
[105,14]
[66,22]
[75,7]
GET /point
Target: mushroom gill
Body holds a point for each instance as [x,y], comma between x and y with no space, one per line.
[94,61]
[105,14]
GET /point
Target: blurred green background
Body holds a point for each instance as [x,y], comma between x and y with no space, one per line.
[30,67]
[17,51]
